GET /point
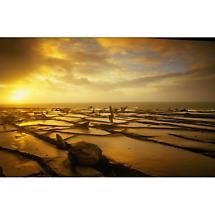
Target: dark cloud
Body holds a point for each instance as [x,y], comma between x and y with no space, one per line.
[203,75]
[18,57]
[195,85]
[86,51]
[197,81]
[173,65]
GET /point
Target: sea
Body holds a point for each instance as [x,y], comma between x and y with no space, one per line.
[209,106]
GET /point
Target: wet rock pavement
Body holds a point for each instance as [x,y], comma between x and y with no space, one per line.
[106,142]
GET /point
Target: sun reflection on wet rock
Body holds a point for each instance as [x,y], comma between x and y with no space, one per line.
[110,141]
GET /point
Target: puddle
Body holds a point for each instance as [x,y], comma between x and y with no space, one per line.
[153,159]
[36,128]
[186,125]
[141,125]
[148,132]
[46,122]
[69,119]
[15,165]
[203,136]
[105,120]
[27,143]
[76,115]
[194,119]
[7,128]
[91,131]
[177,141]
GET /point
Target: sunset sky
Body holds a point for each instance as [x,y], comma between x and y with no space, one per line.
[106,70]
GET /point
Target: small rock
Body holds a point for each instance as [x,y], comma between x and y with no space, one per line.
[83,124]
[86,154]
[123,109]
[61,144]
[88,171]
[111,116]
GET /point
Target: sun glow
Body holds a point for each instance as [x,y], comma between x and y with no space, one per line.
[19,95]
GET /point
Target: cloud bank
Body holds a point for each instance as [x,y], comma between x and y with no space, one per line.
[108,69]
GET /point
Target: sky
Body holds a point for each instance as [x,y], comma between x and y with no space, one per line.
[66,70]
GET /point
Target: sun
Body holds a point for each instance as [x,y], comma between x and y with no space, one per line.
[19,95]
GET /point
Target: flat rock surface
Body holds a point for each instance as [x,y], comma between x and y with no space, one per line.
[155,142]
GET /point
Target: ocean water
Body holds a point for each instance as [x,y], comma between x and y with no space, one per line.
[142,105]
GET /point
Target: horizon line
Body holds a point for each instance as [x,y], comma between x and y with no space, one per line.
[47,103]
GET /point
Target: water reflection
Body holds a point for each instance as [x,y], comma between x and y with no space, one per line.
[153,159]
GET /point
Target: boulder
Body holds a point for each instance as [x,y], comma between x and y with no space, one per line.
[86,154]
